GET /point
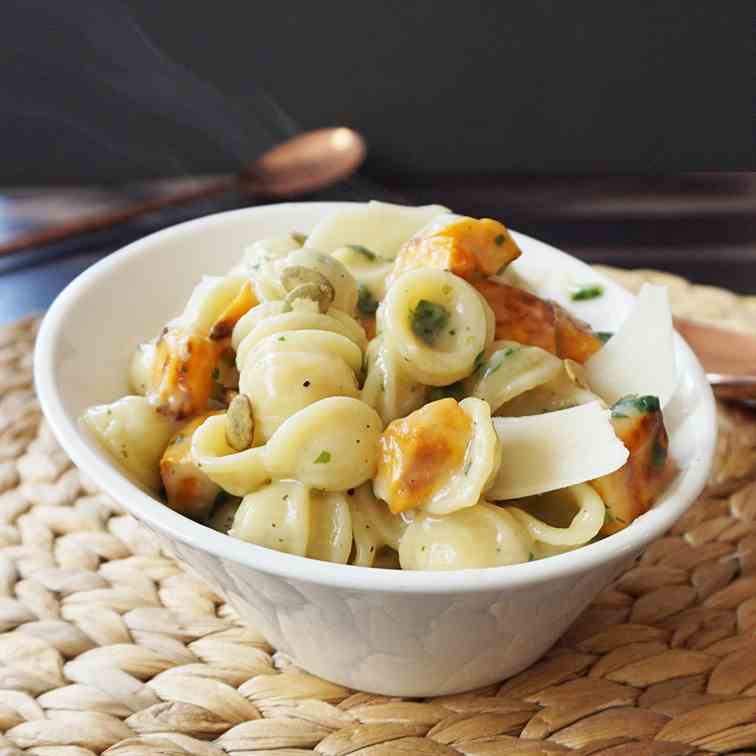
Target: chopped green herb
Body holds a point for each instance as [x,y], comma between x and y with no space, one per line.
[364,251]
[427,319]
[216,374]
[531,556]
[494,366]
[367,304]
[299,238]
[658,451]
[323,458]
[633,403]
[603,336]
[499,239]
[587,292]
[282,338]
[479,361]
[453,390]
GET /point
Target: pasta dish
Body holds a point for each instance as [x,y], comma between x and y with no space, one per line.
[389,391]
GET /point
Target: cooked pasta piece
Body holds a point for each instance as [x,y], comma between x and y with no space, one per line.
[481,536]
[646,337]
[134,433]
[276,516]
[373,525]
[330,527]
[259,262]
[303,316]
[584,509]
[464,246]
[441,458]
[381,227]
[140,369]
[287,516]
[332,444]
[222,516]
[238,473]
[388,389]
[511,370]
[567,389]
[545,452]
[206,304]
[437,324]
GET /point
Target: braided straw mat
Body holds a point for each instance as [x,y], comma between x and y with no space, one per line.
[108,646]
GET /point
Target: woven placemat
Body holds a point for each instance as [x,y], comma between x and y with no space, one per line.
[107,645]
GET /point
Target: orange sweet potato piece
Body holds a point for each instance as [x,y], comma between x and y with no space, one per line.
[631,490]
[418,451]
[467,248]
[188,490]
[182,373]
[528,319]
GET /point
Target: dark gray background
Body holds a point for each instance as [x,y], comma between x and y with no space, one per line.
[110,90]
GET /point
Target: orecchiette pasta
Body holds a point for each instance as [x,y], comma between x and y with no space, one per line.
[332,396]
[481,536]
[437,323]
[332,444]
[235,472]
[134,433]
[388,388]
[511,370]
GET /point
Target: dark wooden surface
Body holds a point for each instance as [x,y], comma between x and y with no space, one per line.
[701,226]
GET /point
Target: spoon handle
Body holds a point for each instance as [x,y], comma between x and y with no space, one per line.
[741,388]
[206,189]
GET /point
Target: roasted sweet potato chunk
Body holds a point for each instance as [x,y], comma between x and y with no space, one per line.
[466,247]
[631,490]
[188,490]
[528,319]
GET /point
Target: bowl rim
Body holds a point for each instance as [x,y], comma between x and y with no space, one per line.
[687,485]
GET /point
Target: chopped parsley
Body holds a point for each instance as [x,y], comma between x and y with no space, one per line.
[453,390]
[299,238]
[531,556]
[216,374]
[492,368]
[603,336]
[633,403]
[367,304]
[499,239]
[323,458]
[364,251]
[592,291]
[282,338]
[428,319]
[479,361]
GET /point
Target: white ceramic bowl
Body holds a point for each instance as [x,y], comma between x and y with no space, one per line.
[384,631]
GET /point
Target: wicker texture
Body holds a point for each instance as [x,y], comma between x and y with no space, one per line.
[108,646]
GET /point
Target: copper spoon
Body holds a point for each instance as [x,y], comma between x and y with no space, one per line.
[305,163]
[728,357]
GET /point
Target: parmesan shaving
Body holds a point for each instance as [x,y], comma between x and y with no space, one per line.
[640,357]
[546,452]
[379,226]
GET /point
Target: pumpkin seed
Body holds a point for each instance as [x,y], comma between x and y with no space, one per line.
[240,423]
[313,291]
